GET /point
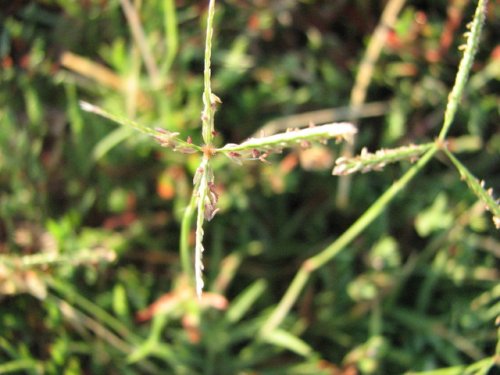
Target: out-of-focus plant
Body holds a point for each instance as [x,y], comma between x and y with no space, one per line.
[354,315]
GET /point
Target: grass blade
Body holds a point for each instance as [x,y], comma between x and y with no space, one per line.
[286,340]
[162,136]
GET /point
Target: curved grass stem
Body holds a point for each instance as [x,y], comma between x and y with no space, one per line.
[319,260]
[317,133]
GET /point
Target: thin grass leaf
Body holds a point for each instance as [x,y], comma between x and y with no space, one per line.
[276,142]
[172,34]
[141,41]
[477,187]
[377,161]
[109,141]
[101,315]
[245,300]
[286,340]
[477,368]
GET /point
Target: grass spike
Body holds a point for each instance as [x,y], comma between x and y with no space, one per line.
[291,138]
[377,161]
[209,99]
[464,68]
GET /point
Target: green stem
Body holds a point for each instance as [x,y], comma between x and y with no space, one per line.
[317,261]
[375,210]
[141,40]
[101,315]
[286,303]
[20,366]
[171,31]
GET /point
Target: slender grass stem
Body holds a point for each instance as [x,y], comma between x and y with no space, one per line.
[367,218]
[76,317]
[26,365]
[319,260]
[373,51]
[101,315]
[137,30]
[478,368]
[477,187]
[286,303]
[172,34]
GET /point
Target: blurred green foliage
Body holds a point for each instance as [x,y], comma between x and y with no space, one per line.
[102,206]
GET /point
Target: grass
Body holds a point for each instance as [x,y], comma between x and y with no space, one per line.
[102,232]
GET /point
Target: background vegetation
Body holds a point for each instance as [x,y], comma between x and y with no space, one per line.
[90,213]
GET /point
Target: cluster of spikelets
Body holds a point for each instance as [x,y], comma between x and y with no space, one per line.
[205,197]
[204,190]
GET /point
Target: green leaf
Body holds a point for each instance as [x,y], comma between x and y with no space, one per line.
[245,300]
[288,341]
[434,218]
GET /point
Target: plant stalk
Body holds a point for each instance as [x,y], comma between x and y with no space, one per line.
[319,260]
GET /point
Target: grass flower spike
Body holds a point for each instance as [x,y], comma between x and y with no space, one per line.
[367,161]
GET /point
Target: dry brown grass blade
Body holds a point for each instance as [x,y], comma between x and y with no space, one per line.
[363,79]
[100,74]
